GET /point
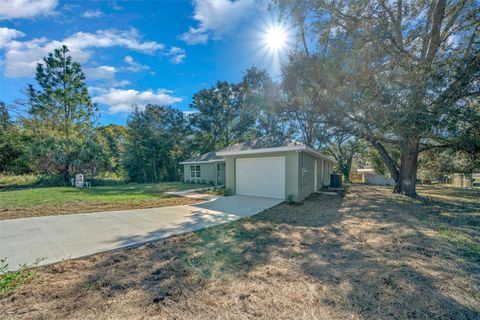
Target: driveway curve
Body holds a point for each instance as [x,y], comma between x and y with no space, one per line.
[55,238]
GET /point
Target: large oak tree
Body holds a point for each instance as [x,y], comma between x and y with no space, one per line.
[408,75]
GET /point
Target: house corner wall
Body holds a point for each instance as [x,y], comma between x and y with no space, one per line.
[230,173]
[186,173]
[306,174]
[292,181]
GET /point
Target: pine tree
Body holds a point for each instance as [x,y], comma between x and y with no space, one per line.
[62,114]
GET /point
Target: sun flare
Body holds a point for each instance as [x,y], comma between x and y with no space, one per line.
[276,38]
[273,41]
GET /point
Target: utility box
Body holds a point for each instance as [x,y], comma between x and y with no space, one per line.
[335,181]
[79,182]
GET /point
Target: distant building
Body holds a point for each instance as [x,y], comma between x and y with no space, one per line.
[367,175]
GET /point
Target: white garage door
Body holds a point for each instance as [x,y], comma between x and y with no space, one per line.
[261,177]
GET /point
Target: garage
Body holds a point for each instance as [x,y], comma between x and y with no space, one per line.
[261,177]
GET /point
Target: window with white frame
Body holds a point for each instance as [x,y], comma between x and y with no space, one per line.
[195,171]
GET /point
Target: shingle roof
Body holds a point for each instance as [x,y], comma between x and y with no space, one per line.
[261,143]
[209,156]
[265,142]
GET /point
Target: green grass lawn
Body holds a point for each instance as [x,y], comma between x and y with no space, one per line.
[54,200]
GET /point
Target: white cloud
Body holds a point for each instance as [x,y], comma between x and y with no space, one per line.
[7,35]
[70,6]
[133,66]
[177,55]
[194,36]
[128,59]
[21,58]
[115,6]
[121,101]
[110,38]
[11,9]
[121,83]
[93,14]
[102,72]
[217,18]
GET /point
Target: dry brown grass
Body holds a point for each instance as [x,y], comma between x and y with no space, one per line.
[370,255]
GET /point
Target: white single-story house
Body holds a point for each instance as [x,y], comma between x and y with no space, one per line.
[265,167]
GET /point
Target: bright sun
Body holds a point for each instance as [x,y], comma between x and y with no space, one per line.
[275,38]
[273,41]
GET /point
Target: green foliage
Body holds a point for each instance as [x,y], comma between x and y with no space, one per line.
[55,180]
[155,144]
[262,97]
[18,180]
[342,147]
[62,106]
[368,155]
[11,280]
[32,180]
[227,192]
[436,164]
[12,145]
[307,95]
[221,117]
[112,139]
[62,119]
[376,161]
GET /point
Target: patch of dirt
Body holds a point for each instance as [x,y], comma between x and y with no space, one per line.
[89,206]
[368,255]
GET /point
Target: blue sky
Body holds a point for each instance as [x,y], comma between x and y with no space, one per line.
[140,52]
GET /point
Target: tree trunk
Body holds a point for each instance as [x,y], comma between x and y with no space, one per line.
[154,170]
[66,173]
[346,177]
[407,179]
[391,165]
[346,168]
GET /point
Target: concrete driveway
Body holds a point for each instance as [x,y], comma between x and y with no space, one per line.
[55,238]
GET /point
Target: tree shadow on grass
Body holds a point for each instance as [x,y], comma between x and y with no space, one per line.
[180,266]
[367,258]
[452,193]
[183,265]
[392,268]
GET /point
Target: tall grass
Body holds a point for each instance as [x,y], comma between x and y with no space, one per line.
[21,180]
[36,180]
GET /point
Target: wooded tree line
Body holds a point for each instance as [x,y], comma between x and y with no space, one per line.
[393,82]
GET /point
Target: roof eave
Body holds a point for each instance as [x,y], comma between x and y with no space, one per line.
[319,154]
[277,149]
[261,150]
[202,162]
